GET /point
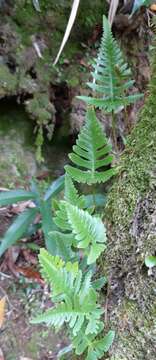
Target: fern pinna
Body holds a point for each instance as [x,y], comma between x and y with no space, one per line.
[110,76]
[75,303]
[92,153]
[79,229]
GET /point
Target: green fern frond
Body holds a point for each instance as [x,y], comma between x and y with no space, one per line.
[96,347]
[110,75]
[89,231]
[91,152]
[63,244]
[76,300]
[72,197]
[65,312]
[56,273]
[71,193]
[61,217]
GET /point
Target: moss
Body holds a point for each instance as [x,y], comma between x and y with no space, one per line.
[131,214]
[136,332]
[8,82]
[137,165]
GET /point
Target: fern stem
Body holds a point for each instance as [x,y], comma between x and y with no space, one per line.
[114,137]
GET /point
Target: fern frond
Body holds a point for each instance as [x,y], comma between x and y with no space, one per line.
[71,193]
[89,231]
[65,312]
[96,347]
[110,75]
[76,300]
[72,197]
[63,243]
[58,274]
[61,217]
[91,152]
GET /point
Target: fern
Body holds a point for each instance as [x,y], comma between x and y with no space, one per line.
[96,347]
[91,152]
[89,232]
[71,193]
[72,197]
[110,76]
[76,300]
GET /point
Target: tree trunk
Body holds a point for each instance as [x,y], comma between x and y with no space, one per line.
[131,220]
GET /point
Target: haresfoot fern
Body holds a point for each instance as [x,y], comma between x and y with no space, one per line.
[110,76]
[96,347]
[76,299]
[92,153]
[89,232]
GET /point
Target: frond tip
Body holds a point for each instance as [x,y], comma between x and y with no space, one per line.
[110,76]
[91,152]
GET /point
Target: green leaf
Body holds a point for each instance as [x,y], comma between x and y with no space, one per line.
[110,76]
[17,229]
[97,200]
[13,196]
[71,193]
[150,261]
[92,153]
[48,225]
[97,348]
[99,283]
[89,231]
[74,297]
[56,187]
[62,244]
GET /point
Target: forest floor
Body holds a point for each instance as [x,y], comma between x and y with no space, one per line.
[25,296]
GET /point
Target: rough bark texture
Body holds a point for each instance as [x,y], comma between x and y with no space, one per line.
[131,215]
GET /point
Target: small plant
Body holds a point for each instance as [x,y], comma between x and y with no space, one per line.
[75,298]
[24,223]
[79,240]
[150,261]
[75,236]
[110,79]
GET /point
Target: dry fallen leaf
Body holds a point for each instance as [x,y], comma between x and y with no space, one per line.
[30,274]
[153,7]
[2,311]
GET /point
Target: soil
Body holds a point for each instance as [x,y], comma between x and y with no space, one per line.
[18,338]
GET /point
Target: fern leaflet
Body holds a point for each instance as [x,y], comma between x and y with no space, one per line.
[72,197]
[89,232]
[91,152]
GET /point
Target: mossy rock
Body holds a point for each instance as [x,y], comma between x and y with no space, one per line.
[131,222]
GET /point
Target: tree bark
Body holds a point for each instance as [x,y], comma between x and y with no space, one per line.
[131,222]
